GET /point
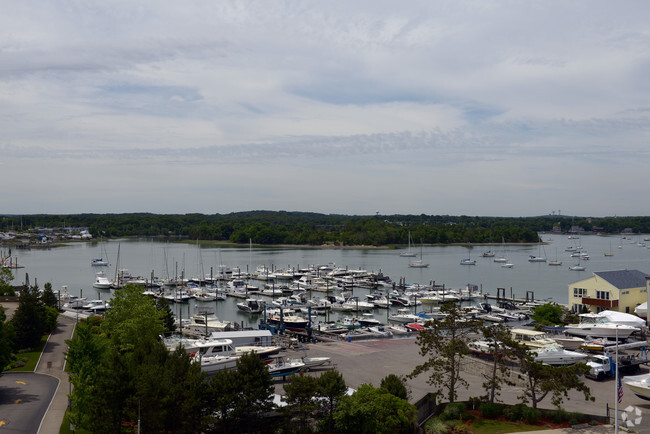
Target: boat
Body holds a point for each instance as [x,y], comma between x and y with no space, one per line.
[418,263]
[101,281]
[639,385]
[99,262]
[281,366]
[214,355]
[538,257]
[291,322]
[597,326]
[467,261]
[507,265]
[408,253]
[488,254]
[577,267]
[555,262]
[251,305]
[206,324]
[642,310]
[545,349]
[313,362]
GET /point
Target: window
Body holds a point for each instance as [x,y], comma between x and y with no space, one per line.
[579,292]
[602,295]
[578,308]
[627,309]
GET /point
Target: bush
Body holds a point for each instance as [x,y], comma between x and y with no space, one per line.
[530,415]
[514,412]
[490,410]
[453,411]
[560,415]
[436,426]
[576,418]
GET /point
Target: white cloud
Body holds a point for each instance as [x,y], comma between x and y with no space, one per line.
[464,100]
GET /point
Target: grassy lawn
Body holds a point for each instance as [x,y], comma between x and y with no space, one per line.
[28,359]
[489,426]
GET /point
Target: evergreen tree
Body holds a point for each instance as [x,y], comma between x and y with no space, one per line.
[5,282]
[331,387]
[6,340]
[48,298]
[395,386]
[169,323]
[29,319]
[299,395]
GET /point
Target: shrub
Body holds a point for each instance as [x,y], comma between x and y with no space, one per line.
[530,415]
[454,410]
[560,415]
[576,418]
[514,412]
[490,410]
[436,426]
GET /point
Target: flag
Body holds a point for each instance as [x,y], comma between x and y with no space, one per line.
[620,391]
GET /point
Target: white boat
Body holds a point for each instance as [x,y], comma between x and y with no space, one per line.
[577,267]
[488,254]
[642,310]
[558,356]
[204,324]
[101,281]
[251,305]
[99,262]
[281,367]
[312,362]
[418,263]
[639,385]
[599,327]
[467,261]
[408,253]
[533,258]
[507,265]
[214,355]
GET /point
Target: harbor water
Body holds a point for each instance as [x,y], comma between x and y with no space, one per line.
[70,266]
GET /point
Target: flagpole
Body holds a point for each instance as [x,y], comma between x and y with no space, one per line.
[616,383]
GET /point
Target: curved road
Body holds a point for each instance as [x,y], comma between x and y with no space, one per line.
[35,402]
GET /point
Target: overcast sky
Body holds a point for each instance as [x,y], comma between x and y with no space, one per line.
[508,108]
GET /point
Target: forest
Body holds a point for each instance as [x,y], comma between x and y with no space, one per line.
[301,228]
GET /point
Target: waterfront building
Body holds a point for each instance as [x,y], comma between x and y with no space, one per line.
[618,290]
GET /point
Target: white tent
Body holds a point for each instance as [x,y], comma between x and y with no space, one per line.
[622,318]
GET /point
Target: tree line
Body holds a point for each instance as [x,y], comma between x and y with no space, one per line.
[299,228]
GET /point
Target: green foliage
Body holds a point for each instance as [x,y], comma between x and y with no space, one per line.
[453,411]
[436,426]
[502,349]
[514,412]
[48,298]
[530,415]
[132,318]
[331,387]
[548,314]
[5,282]
[169,324]
[395,385]
[576,418]
[51,316]
[29,319]
[370,410]
[444,343]
[6,340]
[559,415]
[238,399]
[490,410]
[299,396]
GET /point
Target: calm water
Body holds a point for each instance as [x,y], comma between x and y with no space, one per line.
[70,265]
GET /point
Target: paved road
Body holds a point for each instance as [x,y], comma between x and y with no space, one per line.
[24,400]
[43,398]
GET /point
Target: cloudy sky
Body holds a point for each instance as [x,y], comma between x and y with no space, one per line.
[505,108]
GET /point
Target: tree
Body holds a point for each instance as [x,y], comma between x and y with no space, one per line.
[29,319]
[237,400]
[395,385]
[444,342]
[48,298]
[6,340]
[331,387]
[548,314]
[501,348]
[299,395]
[5,282]
[543,379]
[169,323]
[132,318]
[370,410]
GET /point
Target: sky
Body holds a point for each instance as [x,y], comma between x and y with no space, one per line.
[486,108]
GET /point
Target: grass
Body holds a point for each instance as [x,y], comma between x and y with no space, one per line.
[489,426]
[65,427]
[26,361]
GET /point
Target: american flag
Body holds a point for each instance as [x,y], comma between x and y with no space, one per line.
[620,391]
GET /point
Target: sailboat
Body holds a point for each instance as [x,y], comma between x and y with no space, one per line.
[408,253]
[468,261]
[103,261]
[502,257]
[577,267]
[418,263]
[555,261]
[610,253]
[539,258]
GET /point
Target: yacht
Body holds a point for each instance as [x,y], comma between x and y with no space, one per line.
[639,385]
[600,327]
[101,281]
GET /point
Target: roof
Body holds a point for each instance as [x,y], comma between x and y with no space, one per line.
[623,279]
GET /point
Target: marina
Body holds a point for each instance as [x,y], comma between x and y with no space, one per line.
[265,273]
